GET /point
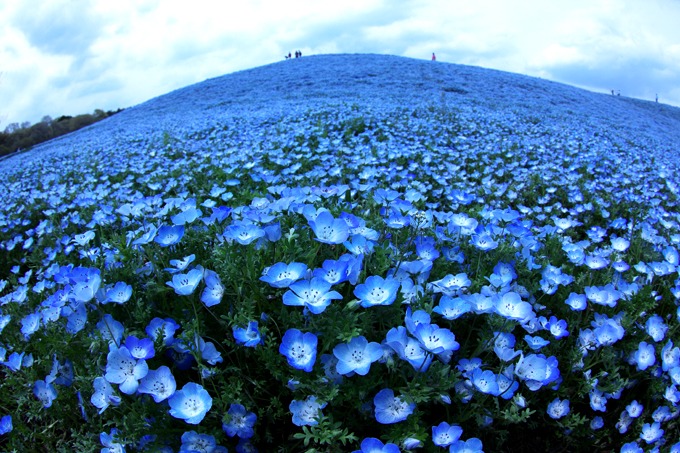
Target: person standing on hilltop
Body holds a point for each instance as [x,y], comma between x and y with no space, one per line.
[434,57]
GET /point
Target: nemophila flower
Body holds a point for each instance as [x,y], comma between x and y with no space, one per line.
[213,291]
[607,330]
[5,424]
[299,349]
[117,294]
[76,317]
[480,303]
[192,442]
[243,232]
[557,327]
[558,408]
[328,229]
[536,342]
[444,434]
[190,404]
[61,373]
[357,355]
[140,348]
[239,422]
[670,356]
[596,262]
[598,400]
[670,254]
[435,339]
[472,445]
[504,343]
[537,371]
[307,412]
[485,381]
[483,241]
[359,245]
[333,271]
[644,356]
[451,285]
[185,284]
[45,392]
[314,294]
[162,328]
[111,443]
[169,235]
[408,348]
[160,384]
[391,409]
[377,291]
[651,432]
[511,306]
[30,324]
[452,308]
[634,409]
[413,319]
[656,327]
[103,395]
[631,447]
[125,370]
[607,295]
[180,265]
[373,445]
[281,275]
[596,423]
[620,244]
[250,336]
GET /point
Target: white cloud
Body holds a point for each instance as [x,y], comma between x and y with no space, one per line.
[72,56]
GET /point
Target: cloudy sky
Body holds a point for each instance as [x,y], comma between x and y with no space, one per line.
[65,57]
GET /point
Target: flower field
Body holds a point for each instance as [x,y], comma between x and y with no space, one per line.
[347,253]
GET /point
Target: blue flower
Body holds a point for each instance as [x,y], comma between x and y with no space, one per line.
[169,235]
[656,328]
[307,412]
[103,395]
[373,445]
[281,275]
[452,308]
[299,349]
[485,381]
[111,442]
[558,408]
[185,284]
[110,329]
[651,432]
[123,369]
[511,306]
[192,442]
[472,445]
[160,384]
[390,409]
[5,424]
[140,348]
[357,355]
[249,336]
[180,265]
[190,404]
[243,232]
[535,343]
[328,229]
[213,291]
[333,271]
[117,294]
[239,422]
[162,328]
[314,294]
[444,434]
[45,392]
[537,371]
[644,356]
[377,291]
[437,340]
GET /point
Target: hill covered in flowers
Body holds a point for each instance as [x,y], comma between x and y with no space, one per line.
[347,253]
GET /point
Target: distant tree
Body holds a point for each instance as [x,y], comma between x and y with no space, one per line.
[12,128]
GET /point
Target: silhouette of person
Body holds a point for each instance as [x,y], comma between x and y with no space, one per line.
[434,57]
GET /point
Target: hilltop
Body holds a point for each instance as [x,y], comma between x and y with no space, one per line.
[296,86]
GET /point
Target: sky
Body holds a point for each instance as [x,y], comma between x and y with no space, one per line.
[67,57]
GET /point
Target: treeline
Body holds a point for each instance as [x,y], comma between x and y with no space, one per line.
[24,136]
